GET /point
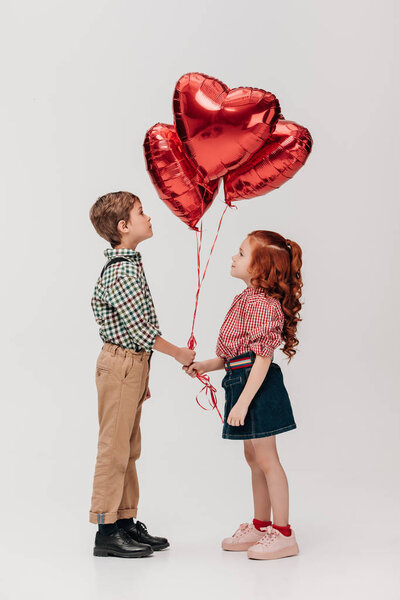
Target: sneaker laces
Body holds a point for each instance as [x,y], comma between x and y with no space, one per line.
[270,536]
[243,528]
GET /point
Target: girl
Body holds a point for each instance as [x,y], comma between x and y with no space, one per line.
[257,406]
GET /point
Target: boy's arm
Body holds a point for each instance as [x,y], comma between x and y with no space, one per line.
[127,298]
[182,355]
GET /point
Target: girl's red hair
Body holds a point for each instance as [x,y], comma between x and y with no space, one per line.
[276,266]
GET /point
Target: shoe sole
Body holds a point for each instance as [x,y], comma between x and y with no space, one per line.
[161,547]
[291,551]
[104,552]
[237,547]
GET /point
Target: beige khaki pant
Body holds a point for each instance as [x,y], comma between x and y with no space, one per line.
[122,377]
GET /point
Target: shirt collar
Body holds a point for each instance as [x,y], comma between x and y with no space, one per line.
[128,252]
[251,291]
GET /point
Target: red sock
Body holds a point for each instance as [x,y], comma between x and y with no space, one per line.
[258,524]
[284,530]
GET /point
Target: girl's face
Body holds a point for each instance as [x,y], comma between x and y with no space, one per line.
[241,262]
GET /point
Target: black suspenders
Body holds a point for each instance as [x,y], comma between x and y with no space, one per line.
[116,259]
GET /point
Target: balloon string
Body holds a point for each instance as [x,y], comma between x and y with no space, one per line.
[192,343]
[192,340]
[199,237]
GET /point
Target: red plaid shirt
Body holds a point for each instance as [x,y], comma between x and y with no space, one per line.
[253,322]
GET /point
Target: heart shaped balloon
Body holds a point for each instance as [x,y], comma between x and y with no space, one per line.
[276,162]
[220,128]
[174,177]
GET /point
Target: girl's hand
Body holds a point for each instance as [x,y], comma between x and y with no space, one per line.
[196,368]
[237,415]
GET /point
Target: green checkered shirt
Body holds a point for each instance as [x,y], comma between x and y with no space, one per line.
[122,303]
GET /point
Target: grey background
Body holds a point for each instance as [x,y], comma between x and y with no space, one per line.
[81,84]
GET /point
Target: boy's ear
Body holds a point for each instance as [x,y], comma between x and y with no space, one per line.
[121,226]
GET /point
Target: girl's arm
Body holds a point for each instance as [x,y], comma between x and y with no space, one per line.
[254,381]
[213,364]
[256,376]
[204,366]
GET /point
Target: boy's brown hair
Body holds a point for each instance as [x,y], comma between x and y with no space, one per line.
[108,210]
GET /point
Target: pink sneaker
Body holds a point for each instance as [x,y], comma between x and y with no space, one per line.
[274,545]
[243,538]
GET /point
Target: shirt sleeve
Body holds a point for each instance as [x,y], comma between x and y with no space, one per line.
[127,297]
[264,323]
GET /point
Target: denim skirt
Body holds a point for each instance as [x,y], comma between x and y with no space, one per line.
[270,411]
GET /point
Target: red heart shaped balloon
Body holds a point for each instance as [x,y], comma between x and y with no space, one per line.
[276,162]
[221,128]
[174,177]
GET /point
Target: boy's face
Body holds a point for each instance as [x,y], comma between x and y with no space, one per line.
[137,229]
[241,262]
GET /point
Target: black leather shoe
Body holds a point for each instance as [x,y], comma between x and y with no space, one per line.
[120,544]
[138,532]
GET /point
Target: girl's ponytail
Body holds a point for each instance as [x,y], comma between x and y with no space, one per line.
[291,304]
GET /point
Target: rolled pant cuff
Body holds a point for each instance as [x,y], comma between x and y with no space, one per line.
[127,513]
[111,517]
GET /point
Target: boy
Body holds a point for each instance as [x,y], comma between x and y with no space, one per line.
[124,309]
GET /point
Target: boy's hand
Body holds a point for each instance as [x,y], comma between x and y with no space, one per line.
[196,368]
[185,356]
[148,395]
